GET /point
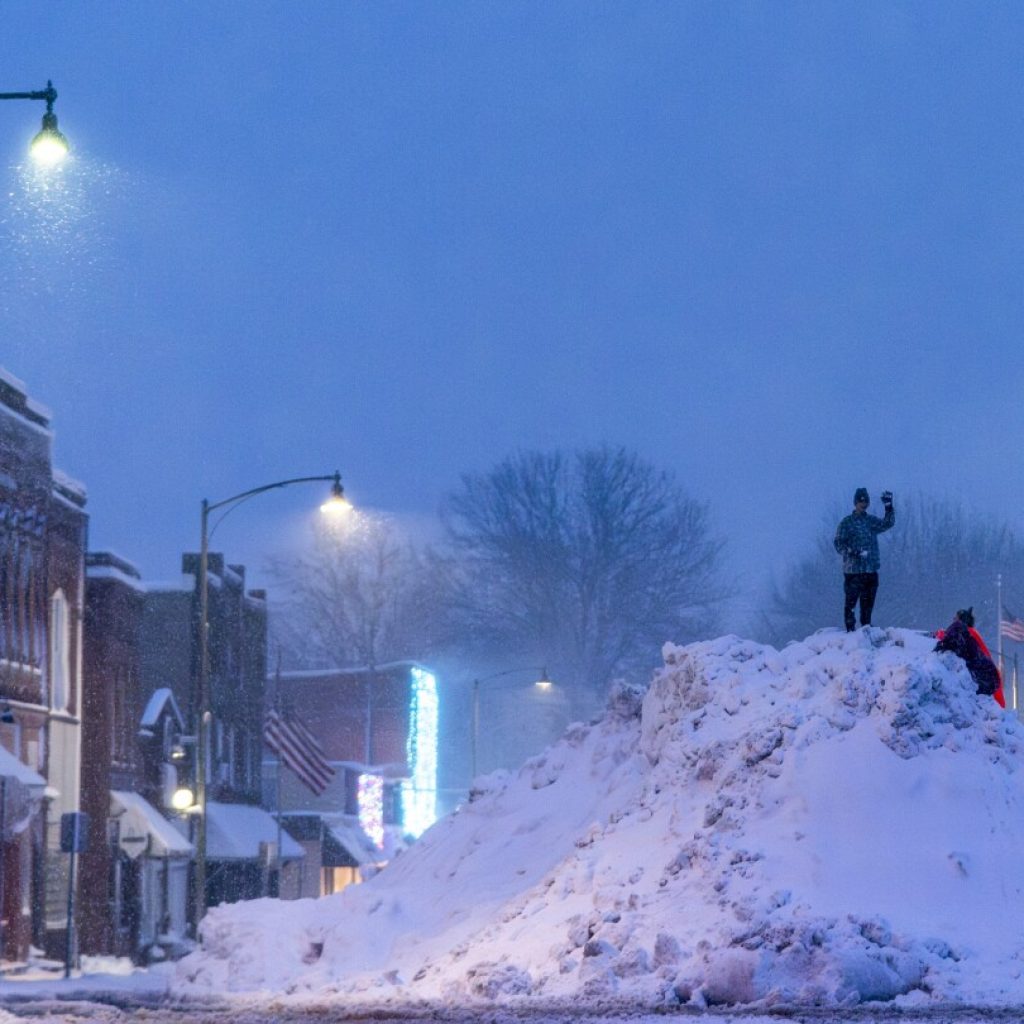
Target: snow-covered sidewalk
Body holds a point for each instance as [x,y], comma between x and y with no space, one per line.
[44,979]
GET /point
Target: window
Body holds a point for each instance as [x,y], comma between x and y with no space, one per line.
[60,646]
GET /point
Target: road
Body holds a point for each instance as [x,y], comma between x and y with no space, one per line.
[116,1009]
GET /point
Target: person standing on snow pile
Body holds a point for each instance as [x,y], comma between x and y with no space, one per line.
[965,642]
[857,541]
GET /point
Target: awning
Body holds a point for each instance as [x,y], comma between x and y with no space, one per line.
[236,832]
[12,768]
[347,845]
[143,829]
[22,793]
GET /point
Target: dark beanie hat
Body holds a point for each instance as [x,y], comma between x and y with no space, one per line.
[861,494]
[966,616]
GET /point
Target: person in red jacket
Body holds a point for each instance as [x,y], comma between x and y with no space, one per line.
[965,641]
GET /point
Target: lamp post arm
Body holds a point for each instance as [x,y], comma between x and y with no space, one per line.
[509,672]
[211,506]
[49,95]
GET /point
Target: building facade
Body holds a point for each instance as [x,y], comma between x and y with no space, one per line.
[378,729]
[43,536]
[134,881]
[247,855]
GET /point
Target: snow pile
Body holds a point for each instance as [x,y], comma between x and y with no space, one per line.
[837,822]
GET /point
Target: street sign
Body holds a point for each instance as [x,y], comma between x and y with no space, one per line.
[74,832]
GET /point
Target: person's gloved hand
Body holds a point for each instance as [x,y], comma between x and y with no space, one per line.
[887,499]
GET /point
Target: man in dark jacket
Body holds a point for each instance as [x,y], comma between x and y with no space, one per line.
[857,541]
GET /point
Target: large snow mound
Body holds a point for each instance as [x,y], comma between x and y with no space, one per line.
[839,821]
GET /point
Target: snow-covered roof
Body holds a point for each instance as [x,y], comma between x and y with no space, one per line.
[348,832]
[110,572]
[26,410]
[143,829]
[230,575]
[75,504]
[69,485]
[184,584]
[12,768]
[108,557]
[235,831]
[160,699]
[15,382]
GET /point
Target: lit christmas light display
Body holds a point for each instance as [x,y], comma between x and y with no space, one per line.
[419,792]
[370,794]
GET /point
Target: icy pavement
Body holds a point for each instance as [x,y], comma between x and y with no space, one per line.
[45,1011]
[835,823]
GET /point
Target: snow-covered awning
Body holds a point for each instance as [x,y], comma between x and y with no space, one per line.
[23,794]
[143,829]
[12,768]
[157,702]
[235,832]
[347,838]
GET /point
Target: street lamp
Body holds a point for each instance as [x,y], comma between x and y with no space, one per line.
[182,799]
[543,683]
[335,504]
[49,146]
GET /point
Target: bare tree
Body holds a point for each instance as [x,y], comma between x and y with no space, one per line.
[587,562]
[939,557]
[356,597]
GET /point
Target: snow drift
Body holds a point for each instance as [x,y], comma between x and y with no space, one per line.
[835,822]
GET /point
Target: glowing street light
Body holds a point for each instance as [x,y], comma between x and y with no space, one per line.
[204,718]
[49,146]
[337,504]
[182,799]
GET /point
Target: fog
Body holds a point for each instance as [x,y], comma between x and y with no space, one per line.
[774,248]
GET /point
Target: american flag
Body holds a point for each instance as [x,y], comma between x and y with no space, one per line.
[1011,627]
[299,749]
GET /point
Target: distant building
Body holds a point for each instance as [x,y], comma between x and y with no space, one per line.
[244,857]
[378,728]
[134,880]
[43,529]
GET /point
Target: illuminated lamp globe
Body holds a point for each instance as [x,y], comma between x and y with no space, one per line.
[544,683]
[337,504]
[49,146]
[182,799]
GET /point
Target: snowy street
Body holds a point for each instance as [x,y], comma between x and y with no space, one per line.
[45,1011]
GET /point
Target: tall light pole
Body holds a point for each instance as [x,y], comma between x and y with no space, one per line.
[49,146]
[542,683]
[336,502]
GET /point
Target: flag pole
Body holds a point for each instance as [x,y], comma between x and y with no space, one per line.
[280,770]
[1015,695]
[999,627]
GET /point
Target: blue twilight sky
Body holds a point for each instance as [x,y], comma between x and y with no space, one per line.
[776,247]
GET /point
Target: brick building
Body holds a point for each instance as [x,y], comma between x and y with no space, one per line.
[135,874]
[43,530]
[379,730]
[241,836]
